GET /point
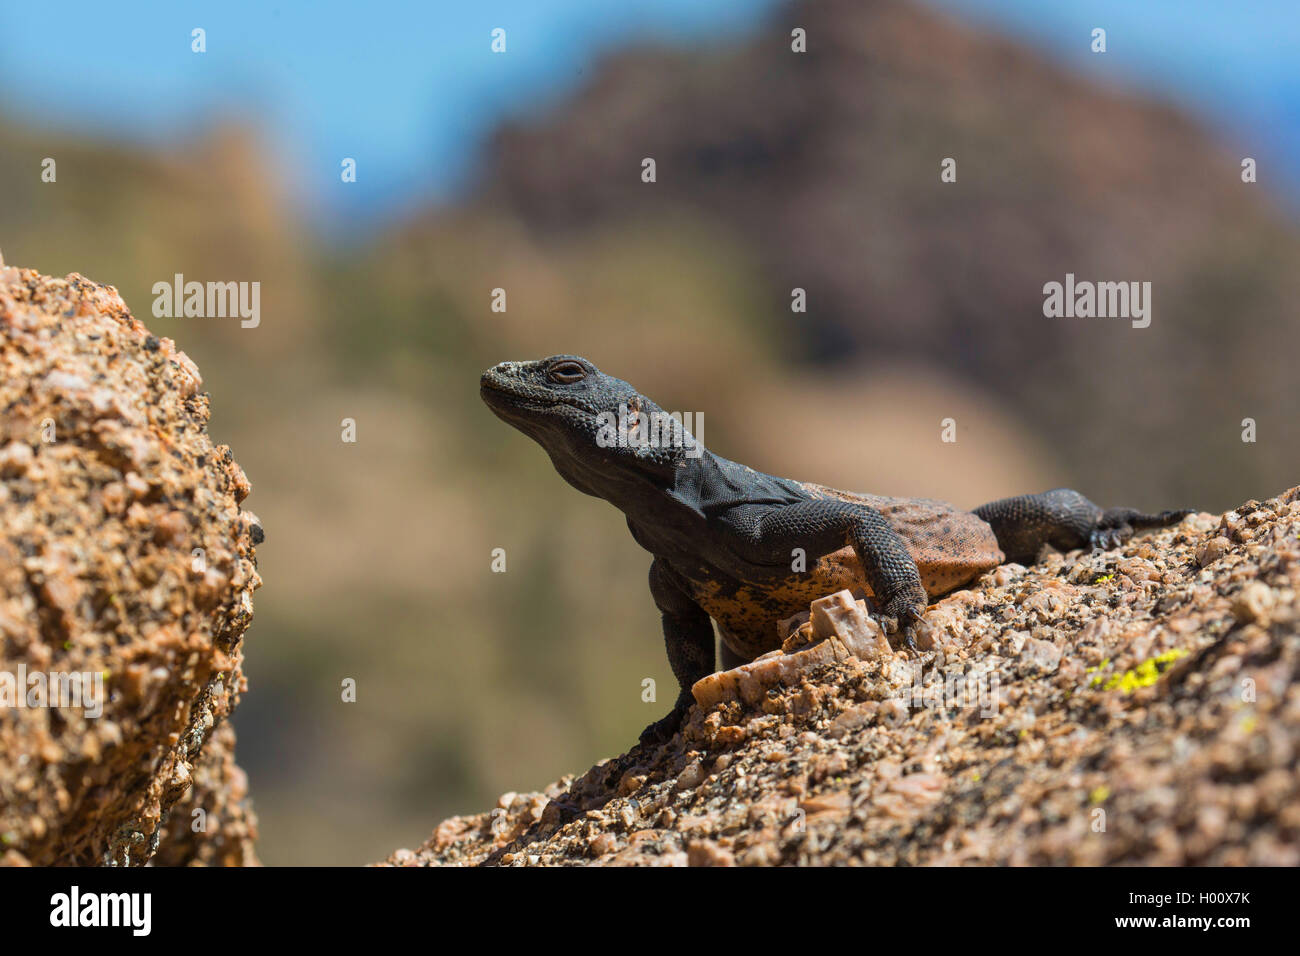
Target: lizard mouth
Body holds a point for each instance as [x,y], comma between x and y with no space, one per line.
[503,394]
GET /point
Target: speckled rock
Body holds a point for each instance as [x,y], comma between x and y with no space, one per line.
[1133,706]
[838,627]
[125,559]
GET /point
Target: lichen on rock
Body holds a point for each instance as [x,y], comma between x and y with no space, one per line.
[126,560]
[1133,706]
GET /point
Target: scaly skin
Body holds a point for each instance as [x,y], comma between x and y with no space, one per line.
[727,540]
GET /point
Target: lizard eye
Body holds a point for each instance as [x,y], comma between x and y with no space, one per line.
[566,373]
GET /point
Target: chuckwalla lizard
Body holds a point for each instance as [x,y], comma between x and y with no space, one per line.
[724,536]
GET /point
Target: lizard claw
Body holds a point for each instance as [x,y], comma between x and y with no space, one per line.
[911,620]
[909,640]
[1103,539]
[904,622]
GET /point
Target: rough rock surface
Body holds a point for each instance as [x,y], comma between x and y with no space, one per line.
[1136,706]
[125,556]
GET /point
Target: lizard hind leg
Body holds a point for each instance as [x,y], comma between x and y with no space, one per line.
[1066,520]
[727,658]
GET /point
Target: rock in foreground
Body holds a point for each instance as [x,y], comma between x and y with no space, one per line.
[126,575]
[1134,706]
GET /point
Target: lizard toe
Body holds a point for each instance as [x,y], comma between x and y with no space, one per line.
[662,730]
[909,639]
[1104,539]
[902,621]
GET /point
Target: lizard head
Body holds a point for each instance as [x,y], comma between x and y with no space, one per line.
[603,436]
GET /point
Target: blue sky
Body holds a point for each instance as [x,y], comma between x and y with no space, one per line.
[410,89]
[1234,64]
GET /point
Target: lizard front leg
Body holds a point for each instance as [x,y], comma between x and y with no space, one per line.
[1066,520]
[688,637]
[891,571]
[822,525]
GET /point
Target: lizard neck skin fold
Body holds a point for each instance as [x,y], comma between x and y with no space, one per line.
[711,484]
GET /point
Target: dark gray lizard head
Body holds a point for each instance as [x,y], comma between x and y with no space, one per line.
[603,436]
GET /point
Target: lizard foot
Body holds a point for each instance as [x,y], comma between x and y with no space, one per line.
[1103,539]
[902,616]
[1117,525]
[664,729]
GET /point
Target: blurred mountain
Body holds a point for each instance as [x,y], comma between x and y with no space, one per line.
[826,167]
[775,170]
